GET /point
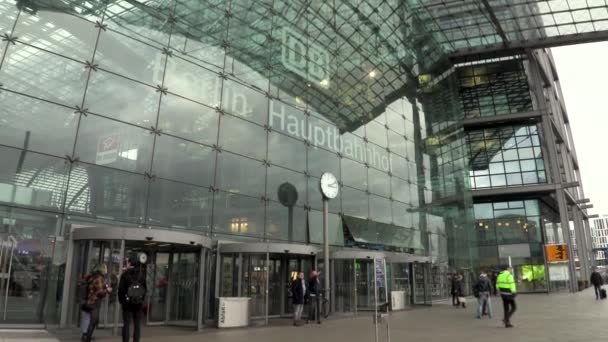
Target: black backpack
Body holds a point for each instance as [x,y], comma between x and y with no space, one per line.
[136,292]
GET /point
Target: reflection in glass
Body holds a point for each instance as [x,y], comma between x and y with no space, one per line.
[110,143]
[36,125]
[238,215]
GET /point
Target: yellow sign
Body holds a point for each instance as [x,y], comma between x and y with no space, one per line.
[557,253]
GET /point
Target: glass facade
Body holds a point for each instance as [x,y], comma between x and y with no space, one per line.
[218,118]
[496,88]
[506,156]
[146,115]
[515,230]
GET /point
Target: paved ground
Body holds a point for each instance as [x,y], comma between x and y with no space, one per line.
[563,317]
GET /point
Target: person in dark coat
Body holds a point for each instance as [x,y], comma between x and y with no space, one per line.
[314,294]
[597,282]
[132,309]
[298,291]
[454,291]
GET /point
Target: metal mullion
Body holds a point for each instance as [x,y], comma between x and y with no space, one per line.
[10,34]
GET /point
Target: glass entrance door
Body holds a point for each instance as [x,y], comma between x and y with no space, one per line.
[364,278]
[26,265]
[158,285]
[183,288]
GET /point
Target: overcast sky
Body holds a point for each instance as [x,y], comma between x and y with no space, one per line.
[583,74]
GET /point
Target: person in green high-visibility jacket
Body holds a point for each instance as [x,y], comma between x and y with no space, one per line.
[505,284]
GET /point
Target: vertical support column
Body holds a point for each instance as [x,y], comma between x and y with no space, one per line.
[326,245]
[200,321]
[581,243]
[120,268]
[266,269]
[170,288]
[550,142]
[67,282]
[239,276]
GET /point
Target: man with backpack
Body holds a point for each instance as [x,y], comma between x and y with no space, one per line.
[131,295]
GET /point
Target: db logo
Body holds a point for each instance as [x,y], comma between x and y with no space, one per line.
[310,61]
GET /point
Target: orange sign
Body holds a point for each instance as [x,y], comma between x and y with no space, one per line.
[557,253]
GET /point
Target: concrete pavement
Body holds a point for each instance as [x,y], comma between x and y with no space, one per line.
[560,317]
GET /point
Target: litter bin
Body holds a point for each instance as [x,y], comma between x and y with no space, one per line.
[233,312]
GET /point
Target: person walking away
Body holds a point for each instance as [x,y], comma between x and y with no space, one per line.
[483,292]
[453,290]
[460,291]
[298,291]
[131,295]
[97,290]
[505,284]
[314,294]
[597,282]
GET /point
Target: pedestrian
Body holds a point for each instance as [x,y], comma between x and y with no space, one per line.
[314,296]
[493,280]
[97,290]
[597,282]
[505,284]
[460,291]
[454,291]
[298,291]
[83,294]
[131,295]
[483,292]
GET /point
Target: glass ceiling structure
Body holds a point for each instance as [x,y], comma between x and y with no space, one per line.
[341,58]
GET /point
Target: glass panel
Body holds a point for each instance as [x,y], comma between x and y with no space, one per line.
[321,161]
[188,120]
[36,125]
[107,193]
[122,99]
[110,143]
[285,223]
[131,58]
[57,32]
[379,182]
[183,161]
[355,202]
[239,215]
[192,82]
[287,152]
[254,276]
[242,137]
[32,179]
[244,102]
[184,287]
[282,183]
[44,75]
[380,209]
[26,265]
[354,174]
[179,205]
[240,175]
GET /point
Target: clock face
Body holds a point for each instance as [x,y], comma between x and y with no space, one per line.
[329,185]
[142,258]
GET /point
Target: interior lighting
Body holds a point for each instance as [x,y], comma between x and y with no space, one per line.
[372,74]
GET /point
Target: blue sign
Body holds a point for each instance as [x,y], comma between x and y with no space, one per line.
[380,276]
